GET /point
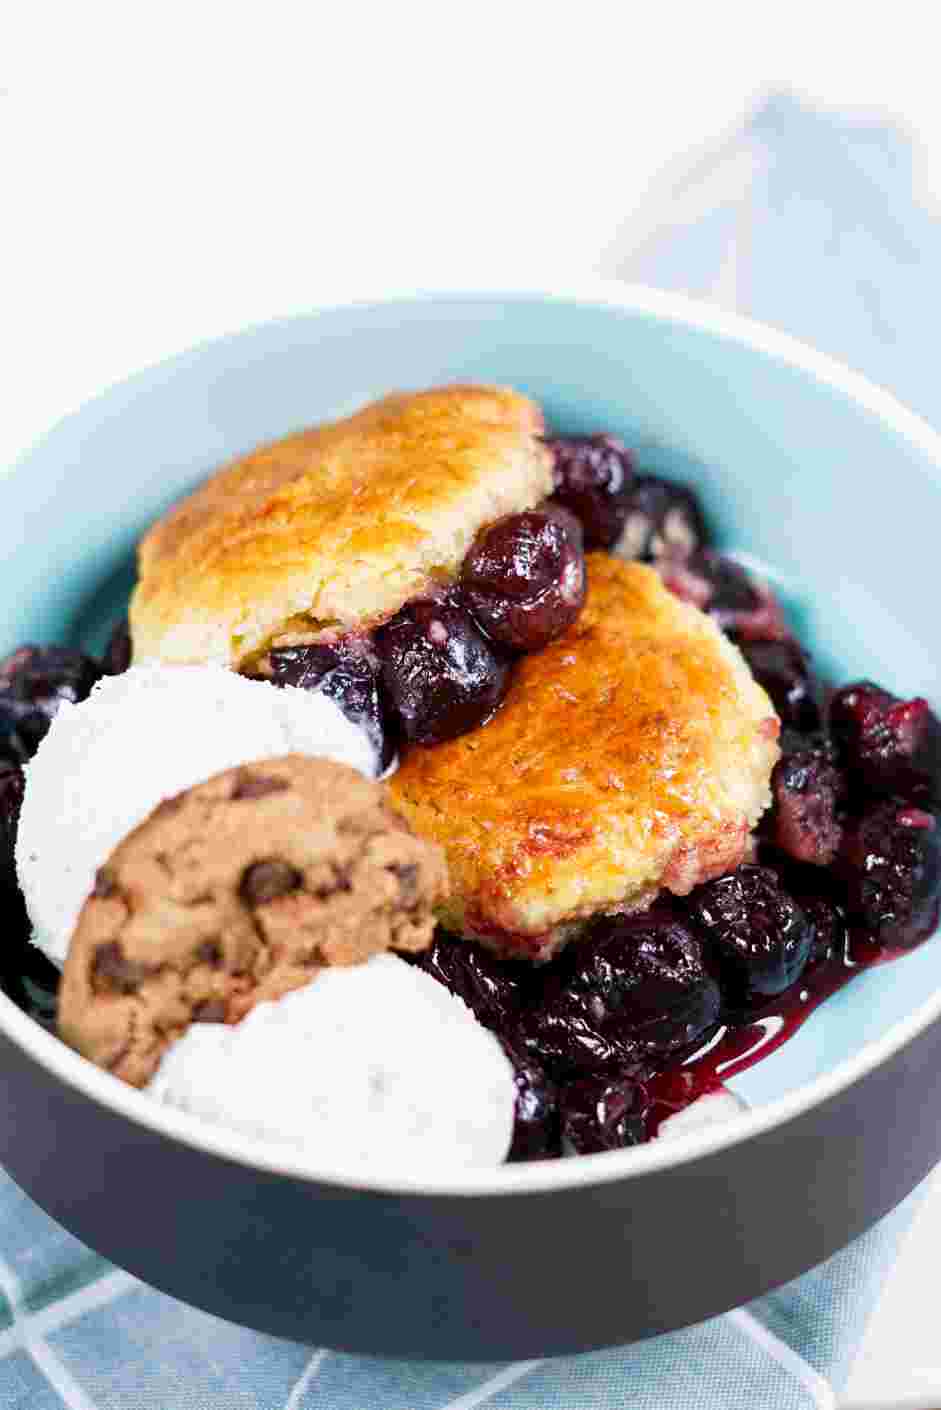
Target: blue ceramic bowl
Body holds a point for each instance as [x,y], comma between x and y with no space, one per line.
[823,481]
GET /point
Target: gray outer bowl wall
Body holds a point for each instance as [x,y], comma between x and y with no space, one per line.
[475,1276]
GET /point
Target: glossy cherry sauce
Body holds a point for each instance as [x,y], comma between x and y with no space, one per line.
[736,1047]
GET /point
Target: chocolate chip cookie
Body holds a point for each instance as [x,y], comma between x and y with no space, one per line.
[237,891]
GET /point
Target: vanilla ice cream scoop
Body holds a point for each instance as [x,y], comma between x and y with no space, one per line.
[139,738]
[369,1067]
[712,1109]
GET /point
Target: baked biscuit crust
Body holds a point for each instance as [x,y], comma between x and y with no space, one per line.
[634,753]
[336,526]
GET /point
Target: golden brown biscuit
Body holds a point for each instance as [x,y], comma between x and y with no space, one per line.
[634,753]
[236,891]
[335,526]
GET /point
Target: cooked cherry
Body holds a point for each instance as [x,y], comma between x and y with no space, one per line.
[637,988]
[440,672]
[888,745]
[891,864]
[601,1115]
[117,657]
[348,672]
[740,606]
[568,1033]
[594,476]
[33,683]
[712,582]
[536,1117]
[828,919]
[491,988]
[819,892]
[494,989]
[758,934]
[12,786]
[782,668]
[664,520]
[14,925]
[807,789]
[26,976]
[648,972]
[524,578]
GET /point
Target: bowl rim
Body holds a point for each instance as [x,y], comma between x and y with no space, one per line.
[272,1158]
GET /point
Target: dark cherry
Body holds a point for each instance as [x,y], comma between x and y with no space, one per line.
[33,683]
[348,672]
[888,745]
[807,789]
[440,672]
[819,892]
[828,919]
[12,785]
[745,609]
[890,861]
[594,476]
[637,988]
[117,657]
[524,578]
[492,988]
[664,520]
[14,923]
[758,934]
[569,1035]
[536,1117]
[716,584]
[648,972]
[26,976]
[601,1115]
[782,668]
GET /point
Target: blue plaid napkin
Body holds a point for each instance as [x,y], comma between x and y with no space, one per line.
[807,221]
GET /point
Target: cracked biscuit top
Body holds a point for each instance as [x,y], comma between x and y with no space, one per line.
[237,891]
[336,526]
[631,754]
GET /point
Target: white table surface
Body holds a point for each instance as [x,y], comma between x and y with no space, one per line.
[169,172]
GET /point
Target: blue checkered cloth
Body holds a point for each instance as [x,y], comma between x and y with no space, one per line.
[804,220]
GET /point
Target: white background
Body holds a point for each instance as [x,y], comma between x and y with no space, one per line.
[168,172]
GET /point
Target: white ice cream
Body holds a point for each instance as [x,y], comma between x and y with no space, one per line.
[371,1067]
[713,1109]
[141,737]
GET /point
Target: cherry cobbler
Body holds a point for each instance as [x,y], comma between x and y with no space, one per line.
[661,829]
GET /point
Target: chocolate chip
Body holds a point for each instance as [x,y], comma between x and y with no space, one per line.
[258,786]
[209,953]
[105,884]
[211,1011]
[265,881]
[407,874]
[111,963]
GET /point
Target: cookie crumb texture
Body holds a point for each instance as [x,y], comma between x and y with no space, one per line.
[235,892]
